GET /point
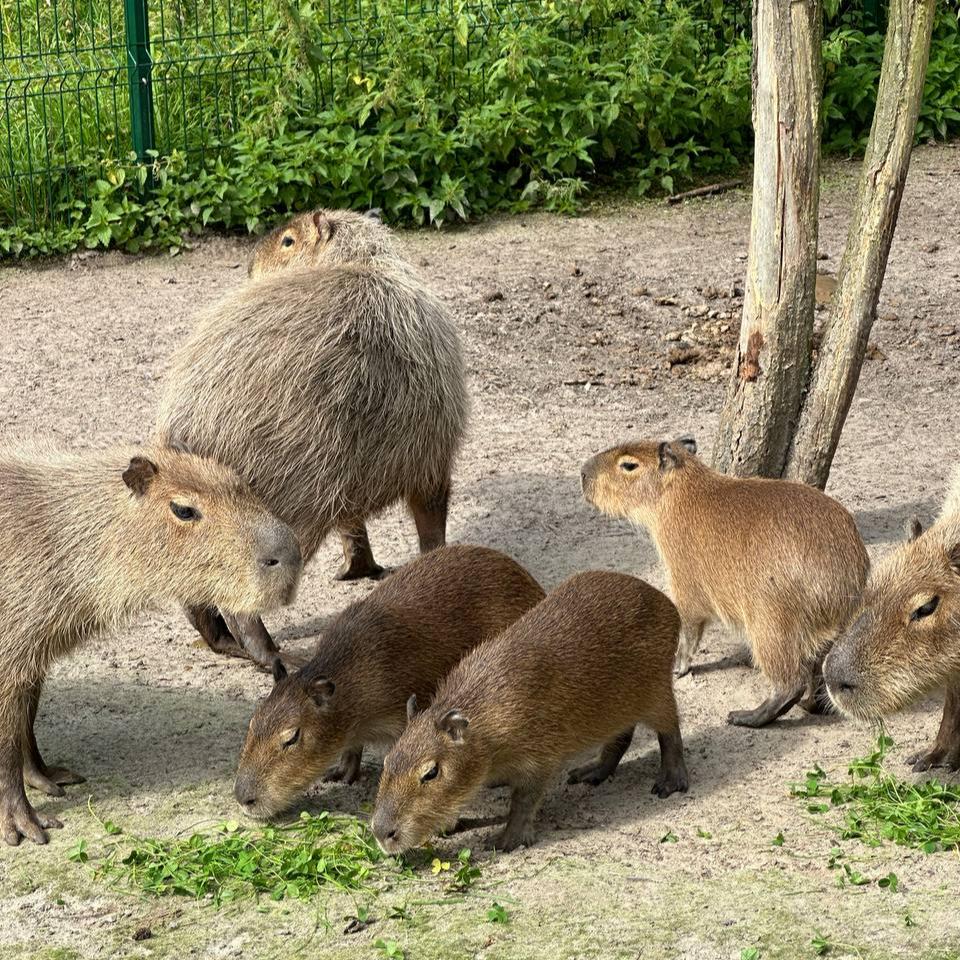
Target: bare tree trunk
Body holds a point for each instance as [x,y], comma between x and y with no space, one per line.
[772,366]
[864,262]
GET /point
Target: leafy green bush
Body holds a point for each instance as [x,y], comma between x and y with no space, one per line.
[450,119]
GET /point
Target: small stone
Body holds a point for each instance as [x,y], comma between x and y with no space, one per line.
[143,933]
[673,335]
[493,296]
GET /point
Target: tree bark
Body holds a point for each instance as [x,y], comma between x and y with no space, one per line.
[864,263]
[772,364]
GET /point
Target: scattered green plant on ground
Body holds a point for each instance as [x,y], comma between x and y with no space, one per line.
[878,806]
[498,914]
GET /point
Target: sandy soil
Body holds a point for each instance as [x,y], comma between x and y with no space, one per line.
[578,332]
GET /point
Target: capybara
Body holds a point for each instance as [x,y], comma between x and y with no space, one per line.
[333,382]
[401,640]
[905,638]
[87,541]
[582,668]
[780,561]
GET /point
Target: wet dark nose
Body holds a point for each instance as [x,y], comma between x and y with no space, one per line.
[245,793]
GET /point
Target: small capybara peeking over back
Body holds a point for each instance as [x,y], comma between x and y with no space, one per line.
[334,384]
[581,669]
[400,641]
[778,560]
[88,541]
[905,638]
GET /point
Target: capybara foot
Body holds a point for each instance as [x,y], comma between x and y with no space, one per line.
[346,771]
[359,570]
[671,781]
[747,718]
[512,837]
[937,757]
[682,668]
[592,773]
[18,819]
[50,780]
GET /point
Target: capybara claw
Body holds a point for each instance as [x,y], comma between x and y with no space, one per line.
[937,757]
[18,820]
[353,571]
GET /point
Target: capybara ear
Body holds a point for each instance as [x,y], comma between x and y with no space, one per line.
[688,443]
[139,475]
[321,689]
[913,528]
[279,670]
[375,213]
[667,457]
[453,723]
[324,226]
[412,708]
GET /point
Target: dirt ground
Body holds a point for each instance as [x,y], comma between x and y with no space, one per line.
[578,332]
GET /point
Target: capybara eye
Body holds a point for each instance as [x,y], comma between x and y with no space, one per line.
[926,609]
[186,514]
[628,465]
[287,241]
[290,741]
[431,774]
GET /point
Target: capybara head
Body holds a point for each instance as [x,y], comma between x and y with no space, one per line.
[428,775]
[318,238]
[627,480]
[905,639]
[295,735]
[205,539]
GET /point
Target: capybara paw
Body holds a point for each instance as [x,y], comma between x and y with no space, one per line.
[682,668]
[360,571]
[592,773]
[64,777]
[18,819]
[508,840]
[342,773]
[39,781]
[673,781]
[937,757]
[746,718]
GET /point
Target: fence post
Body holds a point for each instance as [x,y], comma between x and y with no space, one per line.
[139,74]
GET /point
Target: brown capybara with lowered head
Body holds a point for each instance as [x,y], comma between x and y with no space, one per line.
[780,561]
[582,668]
[399,641]
[333,383]
[905,638]
[87,541]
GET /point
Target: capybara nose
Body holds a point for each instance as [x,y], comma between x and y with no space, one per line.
[244,792]
[280,549]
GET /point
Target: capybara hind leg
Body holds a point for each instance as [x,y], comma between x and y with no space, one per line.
[602,769]
[672,777]
[430,516]
[776,705]
[358,561]
[524,803]
[256,642]
[36,773]
[348,769]
[946,748]
[690,633]
[208,622]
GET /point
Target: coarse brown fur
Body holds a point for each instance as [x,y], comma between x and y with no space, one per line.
[582,668]
[780,561]
[86,542]
[333,383]
[399,641]
[905,639]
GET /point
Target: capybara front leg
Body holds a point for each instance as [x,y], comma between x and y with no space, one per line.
[208,622]
[602,769]
[256,641]
[358,561]
[815,699]
[430,516]
[524,803]
[690,633]
[348,769]
[36,774]
[673,776]
[17,818]
[776,705]
[946,748]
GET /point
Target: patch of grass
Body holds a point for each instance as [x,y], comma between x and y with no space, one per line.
[878,806]
[294,861]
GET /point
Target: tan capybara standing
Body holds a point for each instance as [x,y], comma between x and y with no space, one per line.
[582,668]
[780,561]
[401,640]
[905,638]
[88,541]
[334,384]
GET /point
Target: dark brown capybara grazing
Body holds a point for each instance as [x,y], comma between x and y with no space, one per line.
[334,384]
[582,668]
[780,561]
[86,542]
[399,641]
